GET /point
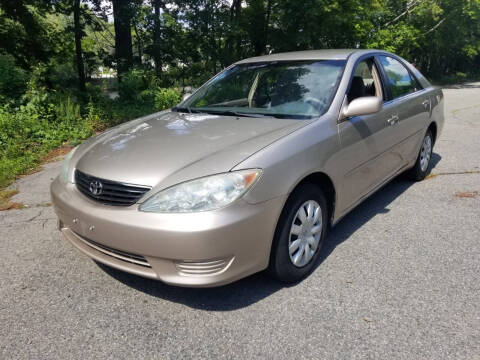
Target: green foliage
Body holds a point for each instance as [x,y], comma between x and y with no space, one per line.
[25,136]
[166,98]
[13,80]
[67,111]
[48,119]
[140,88]
[131,84]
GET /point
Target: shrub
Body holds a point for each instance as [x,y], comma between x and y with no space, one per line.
[461,76]
[26,136]
[132,84]
[166,98]
[67,111]
[13,80]
[62,76]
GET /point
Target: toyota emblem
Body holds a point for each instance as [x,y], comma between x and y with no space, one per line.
[96,187]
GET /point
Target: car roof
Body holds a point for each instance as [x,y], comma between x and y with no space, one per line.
[330,54]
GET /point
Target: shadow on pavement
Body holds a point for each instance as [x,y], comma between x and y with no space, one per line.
[259,286]
[376,204]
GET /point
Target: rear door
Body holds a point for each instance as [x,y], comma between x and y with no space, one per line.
[409,105]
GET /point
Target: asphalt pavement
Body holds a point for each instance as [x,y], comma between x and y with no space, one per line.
[399,279]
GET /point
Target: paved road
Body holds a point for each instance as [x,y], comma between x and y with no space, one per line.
[400,279]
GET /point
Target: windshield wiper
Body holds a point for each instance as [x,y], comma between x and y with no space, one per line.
[185,110]
[214,112]
[237,113]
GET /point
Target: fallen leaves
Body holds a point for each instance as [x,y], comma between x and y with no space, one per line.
[467,194]
[469,172]
[5,203]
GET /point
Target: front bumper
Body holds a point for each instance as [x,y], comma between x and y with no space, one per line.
[195,249]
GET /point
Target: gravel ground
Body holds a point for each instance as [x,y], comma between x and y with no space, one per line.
[399,280]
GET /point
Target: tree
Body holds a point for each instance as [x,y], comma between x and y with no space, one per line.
[157,4]
[122,14]
[23,32]
[78,46]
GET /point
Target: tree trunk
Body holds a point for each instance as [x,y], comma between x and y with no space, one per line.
[78,45]
[235,10]
[267,23]
[156,38]
[123,36]
[139,44]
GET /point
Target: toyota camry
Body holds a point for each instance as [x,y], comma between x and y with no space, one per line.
[251,170]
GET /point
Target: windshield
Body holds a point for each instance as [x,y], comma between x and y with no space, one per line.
[294,89]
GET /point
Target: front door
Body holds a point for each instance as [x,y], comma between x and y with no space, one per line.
[366,141]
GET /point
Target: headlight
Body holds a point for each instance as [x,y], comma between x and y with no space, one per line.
[66,165]
[208,193]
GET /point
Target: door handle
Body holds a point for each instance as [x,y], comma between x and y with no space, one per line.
[426,104]
[393,120]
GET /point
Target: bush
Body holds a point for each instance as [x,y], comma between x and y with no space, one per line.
[62,76]
[67,111]
[26,135]
[132,84]
[166,98]
[13,80]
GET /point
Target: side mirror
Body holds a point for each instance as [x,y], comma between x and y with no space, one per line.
[186,96]
[363,106]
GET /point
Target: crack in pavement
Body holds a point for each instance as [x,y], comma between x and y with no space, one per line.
[47,220]
[29,220]
[34,217]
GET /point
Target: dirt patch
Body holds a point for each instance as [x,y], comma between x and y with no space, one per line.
[467,194]
[53,155]
[31,171]
[6,204]
[57,153]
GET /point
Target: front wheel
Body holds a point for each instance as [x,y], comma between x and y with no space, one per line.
[422,165]
[300,234]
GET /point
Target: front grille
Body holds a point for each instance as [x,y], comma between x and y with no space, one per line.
[118,254]
[108,192]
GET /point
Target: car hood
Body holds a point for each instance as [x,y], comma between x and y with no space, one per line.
[169,147]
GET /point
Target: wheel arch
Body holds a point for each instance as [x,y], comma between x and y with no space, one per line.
[327,185]
[434,129]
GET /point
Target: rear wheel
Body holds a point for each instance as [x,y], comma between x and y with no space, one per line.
[300,234]
[422,165]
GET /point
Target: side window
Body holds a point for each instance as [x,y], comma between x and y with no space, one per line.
[365,81]
[398,77]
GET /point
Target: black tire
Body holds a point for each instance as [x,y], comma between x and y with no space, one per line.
[281,266]
[416,173]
